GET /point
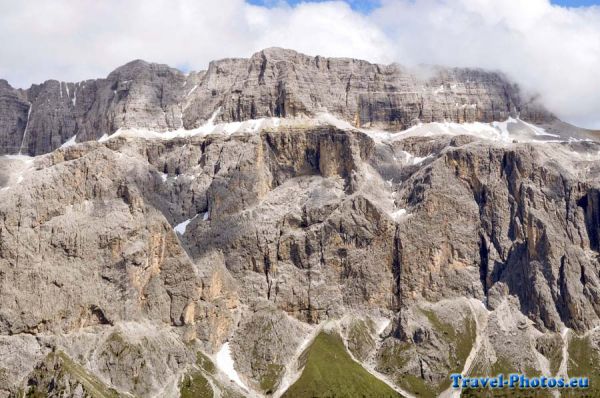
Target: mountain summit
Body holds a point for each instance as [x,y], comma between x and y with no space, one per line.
[272,83]
[292,226]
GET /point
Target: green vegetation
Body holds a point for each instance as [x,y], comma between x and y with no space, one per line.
[270,380]
[205,363]
[550,345]
[63,368]
[555,359]
[504,366]
[460,342]
[200,382]
[195,385]
[394,357]
[331,372]
[418,386]
[360,341]
[584,360]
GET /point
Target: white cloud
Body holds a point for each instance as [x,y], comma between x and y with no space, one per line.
[331,29]
[552,50]
[547,49]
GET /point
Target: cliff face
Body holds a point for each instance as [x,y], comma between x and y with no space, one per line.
[419,250]
[146,264]
[273,82]
[42,118]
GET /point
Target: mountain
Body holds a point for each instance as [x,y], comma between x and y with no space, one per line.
[288,225]
[272,83]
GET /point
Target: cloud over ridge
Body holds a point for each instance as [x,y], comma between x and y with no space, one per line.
[547,49]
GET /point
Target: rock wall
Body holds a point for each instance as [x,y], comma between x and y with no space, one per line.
[273,82]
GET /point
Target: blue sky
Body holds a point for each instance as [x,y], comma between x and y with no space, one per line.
[576,3]
[359,5]
[367,5]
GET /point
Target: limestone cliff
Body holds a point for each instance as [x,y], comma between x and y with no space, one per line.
[273,82]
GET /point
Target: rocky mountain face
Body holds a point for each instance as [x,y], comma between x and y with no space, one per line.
[272,83]
[214,264]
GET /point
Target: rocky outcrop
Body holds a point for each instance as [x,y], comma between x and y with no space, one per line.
[147,254]
[272,83]
[43,117]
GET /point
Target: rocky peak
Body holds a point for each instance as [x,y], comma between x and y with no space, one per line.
[274,82]
[141,70]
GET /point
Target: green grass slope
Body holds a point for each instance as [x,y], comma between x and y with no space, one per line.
[331,372]
[58,374]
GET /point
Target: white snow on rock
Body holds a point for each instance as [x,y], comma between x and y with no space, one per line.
[414,160]
[502,132]
[539,131]
[398,214]
[225,363]
[18,166]
[70,142]
[382,324]
[182,226]
[192,90]
[503,127]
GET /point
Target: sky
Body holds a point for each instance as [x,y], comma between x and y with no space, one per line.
[366,6]
[551,49]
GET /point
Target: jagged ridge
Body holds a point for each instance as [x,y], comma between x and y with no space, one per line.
[273,82]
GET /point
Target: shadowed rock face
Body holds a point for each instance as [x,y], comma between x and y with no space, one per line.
[127,264]
[274,82]
[287,229]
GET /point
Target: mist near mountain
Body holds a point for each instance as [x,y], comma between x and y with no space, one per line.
[548,50]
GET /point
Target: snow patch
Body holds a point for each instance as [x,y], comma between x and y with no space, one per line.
[564,363]
[25,131]
[251,126]
[192,90]
[182,226]
[381,325]
[70,142]
[398,214]
[24,158]
[503,128]
[328,118]
[22,164]
[225,363]
[503,132]
[539,131]
[415,160]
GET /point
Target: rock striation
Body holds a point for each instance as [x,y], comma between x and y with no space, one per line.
[272,83]
[146,249]
[207,264]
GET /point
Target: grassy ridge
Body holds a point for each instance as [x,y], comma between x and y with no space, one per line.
[331,372]
[58,372]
